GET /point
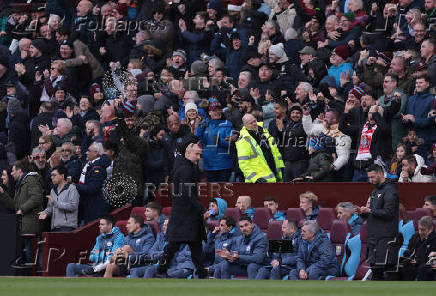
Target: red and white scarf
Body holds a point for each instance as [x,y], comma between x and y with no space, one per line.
[364,152]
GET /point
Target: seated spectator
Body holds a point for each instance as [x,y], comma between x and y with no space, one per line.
[272,204]
[63,202]
[346,213]
[430,203]
[309,204]
[181,265]
[219,239]
[247,251]
[153,213]
[320,162]
[137,243]
[412,171]
[217,208]
[109,240]
[316,255]
[243,203]
[288,261]
[416,256]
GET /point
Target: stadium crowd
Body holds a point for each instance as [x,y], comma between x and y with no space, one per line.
[275,91]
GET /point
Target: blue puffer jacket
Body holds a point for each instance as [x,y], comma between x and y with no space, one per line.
[356,224]
[250,212]
[140,242]
[105,245]
[222,206]
[419,105]
[279,216]
[182,258]
[290,259]
[314,214]
[220,242]
[251,248]
[342,68]
[216,150]
[318,254]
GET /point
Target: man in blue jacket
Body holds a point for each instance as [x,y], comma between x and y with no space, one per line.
[417,112]
[136,244]
[247,252]
[217,208]
[109,240]
[181,265]
[316,255]
[274,271]
[271,203]
[346,213]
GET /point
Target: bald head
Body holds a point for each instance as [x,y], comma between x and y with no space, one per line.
[84,7]
[243,203]
[107,113]
[249,122]
[173,123]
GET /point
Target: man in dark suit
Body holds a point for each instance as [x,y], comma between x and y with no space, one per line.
[186,223]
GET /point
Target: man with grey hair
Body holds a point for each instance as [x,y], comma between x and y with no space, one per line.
[416,256]
[316,255]
[91,183]
[61,133]
[346,213]
[71,161]
[302,93]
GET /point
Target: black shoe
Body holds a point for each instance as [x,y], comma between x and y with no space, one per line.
[89,272]
[161,275]
[202,273]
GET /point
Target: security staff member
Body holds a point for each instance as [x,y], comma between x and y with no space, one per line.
[382,224]
[258,156]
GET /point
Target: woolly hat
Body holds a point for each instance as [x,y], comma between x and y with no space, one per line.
[357,92]
[235,5]
[40,45]
[14,106]
[215,5]
[199,67]
[279,51]
[95,88]
[181,53]
[129,108]
[183,143]
[190,106]
[214,105]
[296,107]
[316,143]
[342,51]
[349,15]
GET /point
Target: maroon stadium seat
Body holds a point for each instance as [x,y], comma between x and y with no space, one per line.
[274,230]
[211,224]
[338,234]
[122,226]
[234,212]
[325,218]
[166,211]
[419,213]
[138,211]
[262,217]
[154,227]
[410,215]
[297,214]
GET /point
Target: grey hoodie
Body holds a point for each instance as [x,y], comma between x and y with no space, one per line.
[64,209]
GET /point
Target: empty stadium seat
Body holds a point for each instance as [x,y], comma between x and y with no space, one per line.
[122,226]
[339,233]
[138,211]
[325,218]
[296,214]
[274,230]
[166,211]
[262,217]
[211,224]
[154,227]
[419,213]
[234,212]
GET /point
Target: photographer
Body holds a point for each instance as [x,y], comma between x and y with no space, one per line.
[415,260]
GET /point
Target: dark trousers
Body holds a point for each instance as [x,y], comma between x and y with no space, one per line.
[218,176]
[422,272]
[171,249]
[293,169]
[63,229]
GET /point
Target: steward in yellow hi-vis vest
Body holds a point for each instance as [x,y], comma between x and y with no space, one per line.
[258,156]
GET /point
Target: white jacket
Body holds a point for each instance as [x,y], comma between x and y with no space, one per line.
[343,142]
[286,19]
[417,176]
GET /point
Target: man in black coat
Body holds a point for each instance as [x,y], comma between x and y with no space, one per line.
[416,256]
[382,243]
[45,117]
[186,223]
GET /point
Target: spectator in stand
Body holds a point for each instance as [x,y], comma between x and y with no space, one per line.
[137,243]
[415,258]
[243,203]
[428,54]
[345,212]
[430,203]
[71,161]
[19,135]
[309,205]
[153,213]
[109,240]
[217,208]
[90,184]
[396,165]
[62,132]
[282,264]
[44,117]
[316,255]
[411,171]
[247,251]
[339,55]
[272,204]
[63,202]
[414,144]
[46,143]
